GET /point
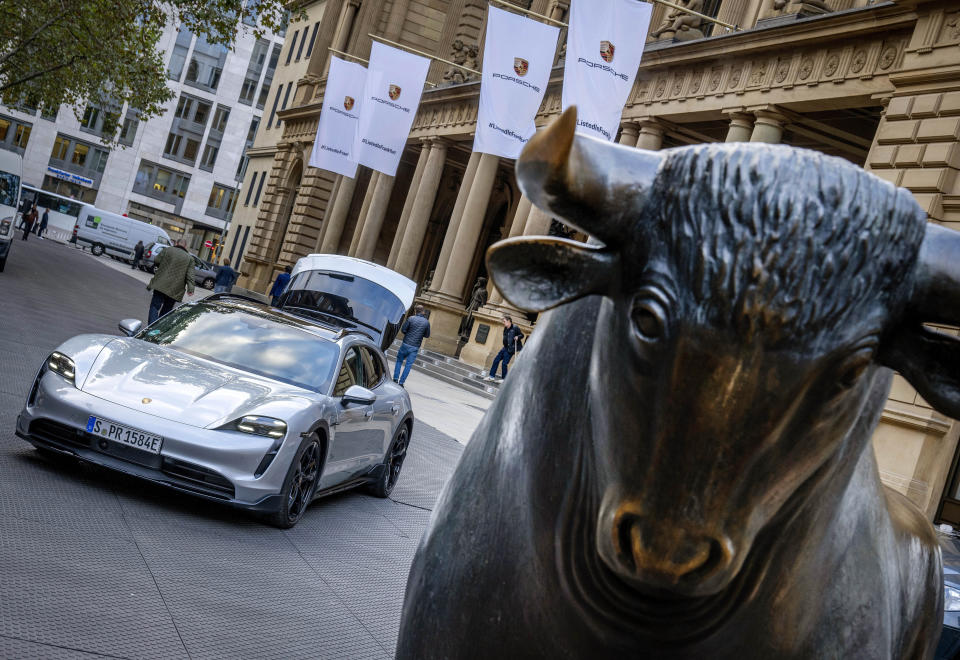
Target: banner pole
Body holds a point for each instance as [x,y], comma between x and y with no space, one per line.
[528,12]
[420,52]
[730,27]
[357,57]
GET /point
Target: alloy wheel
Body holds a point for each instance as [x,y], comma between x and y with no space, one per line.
[304,479]
[397,453]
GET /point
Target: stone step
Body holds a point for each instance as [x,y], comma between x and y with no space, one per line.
[450,370]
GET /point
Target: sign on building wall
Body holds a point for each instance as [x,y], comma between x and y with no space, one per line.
[334,148]
[70,176]
[604,45]
[517,58]
[391,97]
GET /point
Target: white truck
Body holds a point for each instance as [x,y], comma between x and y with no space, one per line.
[114,234]
[11,171]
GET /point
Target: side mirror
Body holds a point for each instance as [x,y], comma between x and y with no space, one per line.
[357,394]
[130,327]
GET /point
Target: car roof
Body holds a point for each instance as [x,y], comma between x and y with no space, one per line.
[329,331]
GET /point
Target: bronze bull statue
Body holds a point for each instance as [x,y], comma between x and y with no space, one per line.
[680,465]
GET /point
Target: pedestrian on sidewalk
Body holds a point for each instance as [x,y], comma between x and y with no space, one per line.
[174,272]
[279,285]
[512,343]
[415,329]
[29,218]
[44,221]
[137,254]
[226,277]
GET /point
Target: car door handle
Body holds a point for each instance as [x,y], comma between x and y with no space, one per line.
[395,409]
[368,413]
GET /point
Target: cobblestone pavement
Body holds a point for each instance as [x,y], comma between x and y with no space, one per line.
[97,565]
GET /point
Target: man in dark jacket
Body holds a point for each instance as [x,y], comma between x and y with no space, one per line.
[415,329]
[279,285]
[512,338]
[137,254]
[174,272]
[226,277]
[44,221]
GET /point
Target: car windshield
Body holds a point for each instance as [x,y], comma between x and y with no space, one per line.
[245,339]
[344,296]
[9,189]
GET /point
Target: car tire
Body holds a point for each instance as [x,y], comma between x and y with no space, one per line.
[300,484]
[96,249]
[3,262]
[392,463]
[208,283]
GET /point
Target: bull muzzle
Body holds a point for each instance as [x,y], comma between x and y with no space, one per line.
[663,555]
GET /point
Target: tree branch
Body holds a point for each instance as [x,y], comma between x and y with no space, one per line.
[20,81]
[31,38]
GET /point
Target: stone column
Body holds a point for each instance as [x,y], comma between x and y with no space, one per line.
[741,127]
[408,203]
[538,224]
[454,225]
[338,215]
[329,210]
[373,223]
[426,195]
[358,228]
[651,135]
[768,127]
[345,25]
[628,134]
[474,212]
[516,228]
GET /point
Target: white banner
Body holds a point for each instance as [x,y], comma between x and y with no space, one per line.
[604,45]
[517,57]
[334,148]
[391,96]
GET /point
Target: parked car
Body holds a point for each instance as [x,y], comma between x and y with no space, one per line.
[204,274]
[236,401]
[949,647]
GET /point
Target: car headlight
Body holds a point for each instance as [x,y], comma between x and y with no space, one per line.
[266,426]
[59,363]
[5,225]
[951,599]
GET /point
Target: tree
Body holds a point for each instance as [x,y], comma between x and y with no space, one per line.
[105,52]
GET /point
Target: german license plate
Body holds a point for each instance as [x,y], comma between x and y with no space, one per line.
[126,435]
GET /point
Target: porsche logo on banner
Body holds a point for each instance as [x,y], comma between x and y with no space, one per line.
[606,51]
[333,148]
[394,92]
[512,87]
[598,81]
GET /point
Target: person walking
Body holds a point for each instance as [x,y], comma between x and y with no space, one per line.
[44,221]
[226,277]
[174,272]
[415,329]
[137,254]
[512,343]
[28,219]
[279,285]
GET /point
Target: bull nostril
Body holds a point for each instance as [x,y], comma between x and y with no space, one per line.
[670,553]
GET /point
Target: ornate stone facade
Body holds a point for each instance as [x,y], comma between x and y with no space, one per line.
[877,84]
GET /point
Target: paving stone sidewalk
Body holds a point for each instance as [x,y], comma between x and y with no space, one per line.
[96,565]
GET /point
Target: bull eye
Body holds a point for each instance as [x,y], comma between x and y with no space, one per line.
[649,319]
[854,368]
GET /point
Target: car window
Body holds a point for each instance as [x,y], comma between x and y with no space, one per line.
[163,240]
[351,372]
[372,369]
[249,340]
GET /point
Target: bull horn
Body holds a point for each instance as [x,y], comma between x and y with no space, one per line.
[589,183]
[936,294]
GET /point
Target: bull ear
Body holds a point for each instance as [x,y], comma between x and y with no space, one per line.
[536,274]
[930,361]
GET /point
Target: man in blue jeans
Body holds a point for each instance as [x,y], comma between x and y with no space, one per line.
[415,329]
[512,338]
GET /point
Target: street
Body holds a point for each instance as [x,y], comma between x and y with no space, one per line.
[100,565]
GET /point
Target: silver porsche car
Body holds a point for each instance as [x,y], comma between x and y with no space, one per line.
[265,408]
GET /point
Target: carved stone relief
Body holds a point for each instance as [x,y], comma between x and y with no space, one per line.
[858,61]
[950,32]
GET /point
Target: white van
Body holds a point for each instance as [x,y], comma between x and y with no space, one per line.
[11,169]
[114,234]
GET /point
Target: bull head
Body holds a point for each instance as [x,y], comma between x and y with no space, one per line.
[732,375]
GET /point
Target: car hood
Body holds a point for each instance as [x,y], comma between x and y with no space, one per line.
[164,382]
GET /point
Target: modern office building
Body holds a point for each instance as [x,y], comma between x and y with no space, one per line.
[289,63]
[877,83]
[180,170]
